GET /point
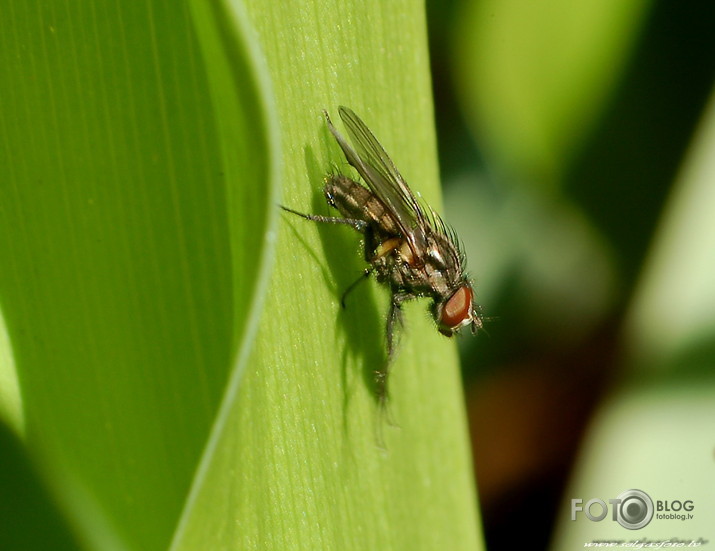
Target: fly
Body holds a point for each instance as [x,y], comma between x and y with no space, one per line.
[407,245]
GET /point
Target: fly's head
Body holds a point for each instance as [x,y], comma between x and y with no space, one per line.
[457,310]
[452,292]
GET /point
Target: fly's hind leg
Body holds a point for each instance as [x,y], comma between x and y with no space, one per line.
[358,225]
[394,323]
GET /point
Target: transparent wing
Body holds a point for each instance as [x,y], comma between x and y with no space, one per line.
[377,169]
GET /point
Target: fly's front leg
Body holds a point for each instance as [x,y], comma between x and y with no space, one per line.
[366,273]
[358,225]
[369,245]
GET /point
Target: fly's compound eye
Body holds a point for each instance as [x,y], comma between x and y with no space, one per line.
[457,311]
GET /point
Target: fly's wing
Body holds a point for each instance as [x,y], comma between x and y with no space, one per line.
[383,179]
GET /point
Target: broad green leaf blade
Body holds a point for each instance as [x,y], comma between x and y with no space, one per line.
[133,244]
[248,143]
[295,464]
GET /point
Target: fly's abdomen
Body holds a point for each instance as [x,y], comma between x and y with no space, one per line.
[356,201]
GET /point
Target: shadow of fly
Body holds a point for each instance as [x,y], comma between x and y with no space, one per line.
[407,245]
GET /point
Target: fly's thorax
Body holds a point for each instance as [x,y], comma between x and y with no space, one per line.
[436,272]
[354,200]
[443,265]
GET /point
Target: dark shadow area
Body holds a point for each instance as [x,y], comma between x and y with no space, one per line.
[691,368]
[361,319]
[29,518]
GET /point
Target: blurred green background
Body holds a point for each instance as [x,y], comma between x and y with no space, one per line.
[575,146]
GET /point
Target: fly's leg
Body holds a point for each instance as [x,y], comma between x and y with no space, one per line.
[366,273]
[394,322]
[374,250]
[358,225]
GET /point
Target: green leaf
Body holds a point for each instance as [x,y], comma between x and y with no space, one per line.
[133,239]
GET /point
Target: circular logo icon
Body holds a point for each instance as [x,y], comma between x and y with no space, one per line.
[635,509]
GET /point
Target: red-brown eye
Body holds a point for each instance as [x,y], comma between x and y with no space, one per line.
[457,310]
